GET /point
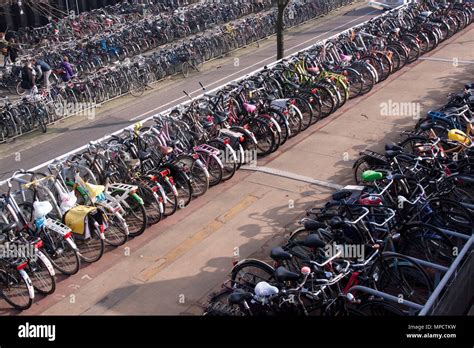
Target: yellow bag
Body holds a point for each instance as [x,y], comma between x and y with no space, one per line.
[77,220]
[94,190]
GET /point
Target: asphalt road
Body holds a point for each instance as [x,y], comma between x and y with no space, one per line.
[36,148]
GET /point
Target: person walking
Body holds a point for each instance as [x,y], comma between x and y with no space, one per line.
[4,49]
[28,78]
[12,50]
[44,70]
[68,72]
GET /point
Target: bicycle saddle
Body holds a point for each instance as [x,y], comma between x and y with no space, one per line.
[220,116]
[345,57]
[250,108]
[313,241]
[313,69]
[238,296]
[282,274]
[313,225]
[279,254]
[393,147]
[339,195]
[426,126]
[6,227]
[391,153]
[165,150]
[336,222]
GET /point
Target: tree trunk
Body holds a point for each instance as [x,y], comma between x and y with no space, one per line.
[279,31]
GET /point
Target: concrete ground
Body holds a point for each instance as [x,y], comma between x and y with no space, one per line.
[172,268]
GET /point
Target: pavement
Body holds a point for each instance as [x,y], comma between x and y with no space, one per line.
[174,265]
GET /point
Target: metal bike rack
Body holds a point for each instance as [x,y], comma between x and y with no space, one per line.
[444,281]
[385,296]
[427,307]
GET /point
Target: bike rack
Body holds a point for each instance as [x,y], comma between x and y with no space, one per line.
[444,281]
[385,296]
[442,284]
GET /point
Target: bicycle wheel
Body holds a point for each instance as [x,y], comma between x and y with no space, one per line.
[41,274]
[61,254]
[306,112]
[368,77]
[41,119]
[427,243]
[214,168]
[135,216]
[450,215]
[183,185]
[414,49]
[264,135]
[116,233]
[198,174]
[219,305]
[228,158]
[301,233]
[170,200]
[15,287]
[328,100]
[356,82]
[284,131]
[248,273]
[379,308]
[295,120]
[137,88]
[20,90]
[397,275]
[91,249]
[185,69]
[152,203]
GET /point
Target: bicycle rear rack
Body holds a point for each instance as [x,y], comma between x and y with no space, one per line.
[207,148]
[122,187]
[373,154]
[56,226]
